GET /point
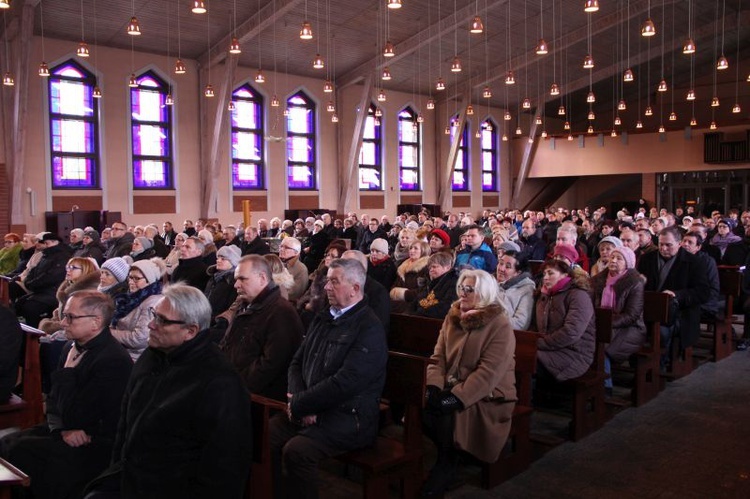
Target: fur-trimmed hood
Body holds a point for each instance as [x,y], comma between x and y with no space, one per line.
[89,281]
[476,318]
[412,266]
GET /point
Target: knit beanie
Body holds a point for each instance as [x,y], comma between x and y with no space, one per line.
[379,244]
[566,251]
[627,254]
[612,240]
[442,235]
[231,253]
[117,267]
[146,243]
[149,270]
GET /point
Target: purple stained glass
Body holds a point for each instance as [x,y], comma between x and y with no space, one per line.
[300,177]
[150,174]
[247,176]
[409,180]
[72,172]
[149,105]
[300,144]
[150,140]
[489,144]
[72,136]
[408,150]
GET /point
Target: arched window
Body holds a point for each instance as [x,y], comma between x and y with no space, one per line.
[461,168]
[73,127]
[370,155]
[300,144]
[248,165]
[489,142]
[409,150]
[151,128]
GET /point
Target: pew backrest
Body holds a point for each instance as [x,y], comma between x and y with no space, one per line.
[525,364]
[413,334]
[655,313]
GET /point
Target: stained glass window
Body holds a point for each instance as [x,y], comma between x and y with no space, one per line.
[489,143]
[74,127]
[300,144]
[461,167]
[151,128]
[248,164]
[409,150]
[370,156]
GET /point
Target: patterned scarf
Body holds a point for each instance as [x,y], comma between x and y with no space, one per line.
[127,302]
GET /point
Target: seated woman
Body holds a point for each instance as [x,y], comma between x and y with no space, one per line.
[516,288]
[436,298]
[401,251]
[381,266]
[314,299]
[129,324]
[10,253]
[621,289]
[173,258]
[411,275]
[143,249]
[471,386]
[113,277]
[565,317]
[220,287]
[605,247]
[280,275]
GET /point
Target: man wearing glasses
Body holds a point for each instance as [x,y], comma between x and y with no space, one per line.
[185,427]
[121,242]
[74,444]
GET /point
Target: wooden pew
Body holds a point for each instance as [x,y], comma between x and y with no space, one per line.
[589,410]
[10,477]
[28,410]
[647,383]
[730,285]
[517,455]
[4,294]
[260,484]
[413,334]
[390,458]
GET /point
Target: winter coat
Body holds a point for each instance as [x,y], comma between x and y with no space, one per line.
[316,249]
[132,330]
[412,274]
[255,247]
[368,237]
[9,258]
[517,296]
[261,342]
[383,271]
[628,328]
[436,299]
[220,290]
[121,246]
[185,429]
[301,279]
[567,322]
[338,374]
[92,250]
[191,271]
[11,337]
[481,258]
[475,355]
[47,275]
[688,279]
[67,288]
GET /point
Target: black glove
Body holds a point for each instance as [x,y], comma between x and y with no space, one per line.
[432,393]
[449,402]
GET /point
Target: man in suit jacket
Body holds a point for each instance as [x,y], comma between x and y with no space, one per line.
[684,277]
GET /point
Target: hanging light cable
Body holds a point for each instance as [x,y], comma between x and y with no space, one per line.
[43,68]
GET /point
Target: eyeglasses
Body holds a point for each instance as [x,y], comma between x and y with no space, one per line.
[71,317]
[72,267]
[160,320]
[466,290]
[135,278]
[287,248]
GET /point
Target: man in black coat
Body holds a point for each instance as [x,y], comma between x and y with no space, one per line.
[684,277]
[121,243]
[253,244]
[335,382]
[75,442]
[376,295]
[369,234]
[265,333]
[192,268]
[185,429]
[11,337]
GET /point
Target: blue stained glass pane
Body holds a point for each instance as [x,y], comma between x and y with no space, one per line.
[246,115]
[299,149]
[300,177]
[72,172]
[150,173]
[369,178]
[72,98]
[246,176]
[148,105]
[246,146]
[150,140]
[299,120]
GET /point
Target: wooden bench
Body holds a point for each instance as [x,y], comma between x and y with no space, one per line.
[647,383]
[517,455]
[730,286]
[28,410]
[390,458]
[4,292]
[589,408]
[260,485]
[10,477]
[418,336]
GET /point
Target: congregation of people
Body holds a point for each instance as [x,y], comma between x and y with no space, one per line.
[154,336]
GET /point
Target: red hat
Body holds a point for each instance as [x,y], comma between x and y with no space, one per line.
[442,235]
[566,251]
